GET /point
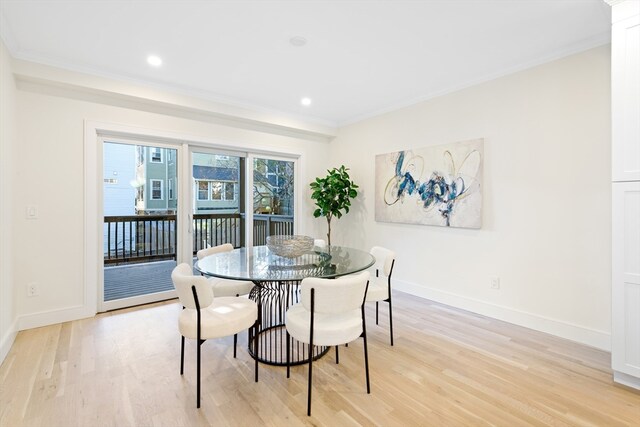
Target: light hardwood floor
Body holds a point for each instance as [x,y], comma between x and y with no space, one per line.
[448,367]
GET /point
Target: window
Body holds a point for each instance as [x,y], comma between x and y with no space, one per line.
[156,189]
[216,190]
[203,190]
[170,185]
[110,180]
[140,194]
[156,155]
[229,191]
[218,157]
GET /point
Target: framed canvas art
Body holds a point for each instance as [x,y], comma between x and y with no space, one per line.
[436,185]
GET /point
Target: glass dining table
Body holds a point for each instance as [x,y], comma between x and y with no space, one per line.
[277,286]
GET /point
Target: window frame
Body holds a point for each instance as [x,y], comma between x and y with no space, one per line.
[153,151]
[151,189]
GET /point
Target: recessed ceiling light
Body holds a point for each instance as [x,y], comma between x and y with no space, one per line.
[154,60]
[297,41]
[305,101]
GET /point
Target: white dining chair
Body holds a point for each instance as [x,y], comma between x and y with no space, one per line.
[319,243]
[380,282]
[226,287]
[205,316]
[331,313]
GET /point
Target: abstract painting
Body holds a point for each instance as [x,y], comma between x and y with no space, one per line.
[437,185]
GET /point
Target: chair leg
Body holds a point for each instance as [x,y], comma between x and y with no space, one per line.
[337,356]
[376,312]
[310,377]
[288,354]
[255,349]
[198,381]
[311,324]
[182,356]
[366,353]
[390,320]
[235,343]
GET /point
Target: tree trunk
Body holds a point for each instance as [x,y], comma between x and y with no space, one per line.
[329,231]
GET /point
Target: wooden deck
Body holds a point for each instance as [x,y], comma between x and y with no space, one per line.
[126,281]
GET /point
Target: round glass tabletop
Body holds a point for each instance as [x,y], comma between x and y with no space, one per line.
[259,264]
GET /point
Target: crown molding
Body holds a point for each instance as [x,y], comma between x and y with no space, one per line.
[147,97]
[591,43]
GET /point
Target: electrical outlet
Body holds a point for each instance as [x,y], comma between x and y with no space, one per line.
[32,289]
[495,283]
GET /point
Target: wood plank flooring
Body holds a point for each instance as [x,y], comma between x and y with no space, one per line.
[448,367]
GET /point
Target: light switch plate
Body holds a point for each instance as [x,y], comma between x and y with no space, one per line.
[32,212]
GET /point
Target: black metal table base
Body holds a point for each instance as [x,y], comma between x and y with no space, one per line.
[273,299]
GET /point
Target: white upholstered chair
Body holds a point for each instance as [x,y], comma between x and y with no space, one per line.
[320,243]
[225,287]
[380,283]
[206,317]
[331,313]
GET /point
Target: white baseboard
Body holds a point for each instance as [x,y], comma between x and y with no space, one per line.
[36,320]
[591,337]
[626,379]
[7,340]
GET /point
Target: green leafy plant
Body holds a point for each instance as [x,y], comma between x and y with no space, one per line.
[332,195]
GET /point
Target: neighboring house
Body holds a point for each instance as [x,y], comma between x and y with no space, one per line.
[119,195]
[119,173]
[216,183]
[156,181]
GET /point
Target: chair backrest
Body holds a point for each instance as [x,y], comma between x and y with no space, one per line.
[384,259]
[227,247]
[183,279]
[320,243]
[339,295]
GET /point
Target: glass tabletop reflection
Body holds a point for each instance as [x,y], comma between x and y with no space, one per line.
[260,264]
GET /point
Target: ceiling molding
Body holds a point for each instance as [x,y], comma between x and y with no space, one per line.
[599,40]
[57,81]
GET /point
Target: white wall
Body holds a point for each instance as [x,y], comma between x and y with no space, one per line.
[8,134]
[546,209]
[49,251]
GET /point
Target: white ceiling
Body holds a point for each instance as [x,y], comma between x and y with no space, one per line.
[362,57]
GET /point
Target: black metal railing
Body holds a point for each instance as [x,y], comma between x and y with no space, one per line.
[269,225]
[216,229]
[138,238]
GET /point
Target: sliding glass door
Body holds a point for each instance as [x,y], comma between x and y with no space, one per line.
[273,197]
[162,202]
[217,204]
[140,214]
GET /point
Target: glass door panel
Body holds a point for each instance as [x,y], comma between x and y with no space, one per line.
[140,236]
[218,200]
[273,198]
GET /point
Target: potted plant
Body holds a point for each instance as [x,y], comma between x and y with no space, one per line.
[332,195]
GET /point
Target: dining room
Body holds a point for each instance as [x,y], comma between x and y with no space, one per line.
[467,171]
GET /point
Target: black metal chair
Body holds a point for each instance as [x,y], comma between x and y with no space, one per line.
[331,313]
[206,317]
[380,284]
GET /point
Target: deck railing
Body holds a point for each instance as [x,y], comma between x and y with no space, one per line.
[138,238]
[269,225]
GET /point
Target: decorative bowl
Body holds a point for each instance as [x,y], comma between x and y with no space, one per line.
[289,246]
